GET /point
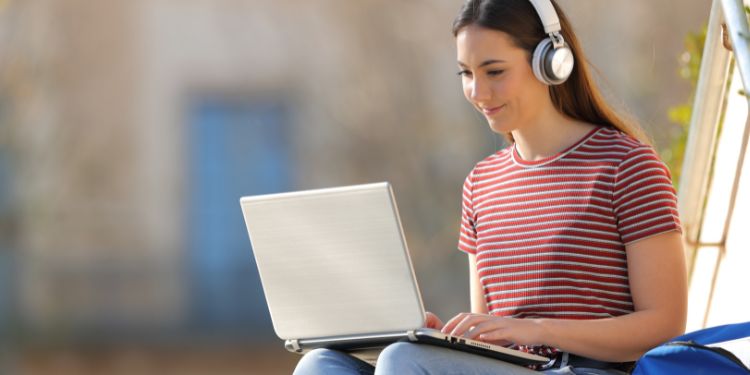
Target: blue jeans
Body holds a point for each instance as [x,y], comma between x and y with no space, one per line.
[412,359]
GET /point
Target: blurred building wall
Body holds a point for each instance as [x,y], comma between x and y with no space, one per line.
[636,46]
[101,95]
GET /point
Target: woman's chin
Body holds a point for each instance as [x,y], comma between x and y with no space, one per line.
[498,127]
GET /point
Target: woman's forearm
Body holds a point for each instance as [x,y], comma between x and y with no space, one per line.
[658,283]
[619,339]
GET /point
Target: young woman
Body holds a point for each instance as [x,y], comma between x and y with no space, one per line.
[572,232]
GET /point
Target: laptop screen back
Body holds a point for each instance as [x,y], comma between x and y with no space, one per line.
[333,262]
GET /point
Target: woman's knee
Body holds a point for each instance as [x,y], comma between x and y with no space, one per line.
[314,361]
[419,359]
[399,350]
[327,361]
[401,358]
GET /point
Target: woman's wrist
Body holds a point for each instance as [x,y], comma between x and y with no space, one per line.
[545,332]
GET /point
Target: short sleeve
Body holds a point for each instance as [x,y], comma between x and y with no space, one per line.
[644,200]
[467,240]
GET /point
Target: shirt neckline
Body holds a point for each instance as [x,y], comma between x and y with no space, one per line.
[518,160]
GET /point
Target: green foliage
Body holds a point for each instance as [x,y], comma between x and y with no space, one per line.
[680,114]
[689,69]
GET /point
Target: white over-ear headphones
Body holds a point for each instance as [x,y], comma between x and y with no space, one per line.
[553,60]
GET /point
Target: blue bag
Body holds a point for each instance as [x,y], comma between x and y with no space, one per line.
[718,350]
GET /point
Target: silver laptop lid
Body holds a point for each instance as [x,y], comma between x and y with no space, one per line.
[333,262]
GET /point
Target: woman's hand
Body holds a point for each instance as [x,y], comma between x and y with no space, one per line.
[496,330]
[432,321]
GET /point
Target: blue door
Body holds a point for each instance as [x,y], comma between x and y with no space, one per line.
[236,148]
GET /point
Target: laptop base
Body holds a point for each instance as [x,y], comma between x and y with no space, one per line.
[368,347]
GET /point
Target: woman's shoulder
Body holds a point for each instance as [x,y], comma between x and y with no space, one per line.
[490,165]
[627,145]
[495,160]
[635,156]
[616,137]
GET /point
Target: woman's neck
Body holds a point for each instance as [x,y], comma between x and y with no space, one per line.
[548,135]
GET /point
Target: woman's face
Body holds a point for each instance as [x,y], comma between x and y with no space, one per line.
[497,78]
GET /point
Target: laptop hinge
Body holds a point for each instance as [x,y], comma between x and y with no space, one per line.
[295,345]
[412,335]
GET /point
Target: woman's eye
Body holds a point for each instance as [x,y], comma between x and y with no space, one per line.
[493,73]
[463,73]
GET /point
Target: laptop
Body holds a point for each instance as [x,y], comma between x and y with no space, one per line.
[336,273]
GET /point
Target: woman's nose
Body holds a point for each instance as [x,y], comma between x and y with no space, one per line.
[479,90]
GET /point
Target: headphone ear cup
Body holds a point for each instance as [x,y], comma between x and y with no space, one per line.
[558,64]
[547,60]
[539,60]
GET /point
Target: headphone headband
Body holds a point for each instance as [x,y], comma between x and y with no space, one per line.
[547,14]
[552,60]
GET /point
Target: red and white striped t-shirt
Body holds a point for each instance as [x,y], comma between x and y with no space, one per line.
[550,235]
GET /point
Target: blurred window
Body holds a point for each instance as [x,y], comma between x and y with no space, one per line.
[236,147]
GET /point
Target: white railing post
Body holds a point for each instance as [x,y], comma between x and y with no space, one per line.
[704,125]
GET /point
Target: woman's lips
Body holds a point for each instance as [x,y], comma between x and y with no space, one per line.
[492,111]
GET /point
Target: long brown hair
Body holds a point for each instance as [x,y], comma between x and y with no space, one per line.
[578,97]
